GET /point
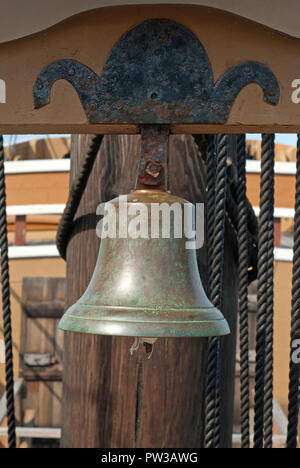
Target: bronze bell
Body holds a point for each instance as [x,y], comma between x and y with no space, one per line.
[145,287]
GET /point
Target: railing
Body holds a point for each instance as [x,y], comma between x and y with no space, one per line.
[37,166]
[34,432]
[281,167]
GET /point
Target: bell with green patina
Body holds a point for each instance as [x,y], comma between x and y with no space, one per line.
[146,282]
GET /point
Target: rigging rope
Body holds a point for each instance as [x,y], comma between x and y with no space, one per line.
[293,412]
[249,241]
[243,291]
[264,329]
[268,146]
[78,186]
[9,373]
[212,400]
[211,161]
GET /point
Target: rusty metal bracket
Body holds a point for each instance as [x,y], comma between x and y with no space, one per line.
[152,171]
[158,73]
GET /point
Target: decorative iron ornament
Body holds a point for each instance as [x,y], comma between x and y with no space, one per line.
[160,73]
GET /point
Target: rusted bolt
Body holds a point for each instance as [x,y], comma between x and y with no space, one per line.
[271,92]
[92,107]
[119,105]
[40,85]
[247,69]
[153,169]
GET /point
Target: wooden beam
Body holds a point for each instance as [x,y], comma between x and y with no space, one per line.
[228,39]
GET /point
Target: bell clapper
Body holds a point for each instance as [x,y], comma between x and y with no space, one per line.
[135,345]
[148,344]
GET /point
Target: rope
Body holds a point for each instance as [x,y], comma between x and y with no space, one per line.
[6,307]
[243,291]
[211,161]
[233,194]
[264,329]
[212,400]
[268,145]
[293,412]
[78,186]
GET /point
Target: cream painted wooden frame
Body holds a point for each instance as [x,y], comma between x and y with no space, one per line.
[89,37]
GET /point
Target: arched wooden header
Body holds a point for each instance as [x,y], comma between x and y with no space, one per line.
[241,76]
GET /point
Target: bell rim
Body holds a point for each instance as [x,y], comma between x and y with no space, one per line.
[147,329]
[116,313]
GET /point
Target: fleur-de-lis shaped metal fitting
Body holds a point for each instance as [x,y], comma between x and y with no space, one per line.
[158,72]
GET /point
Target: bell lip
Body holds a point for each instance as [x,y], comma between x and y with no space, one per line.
[146,329]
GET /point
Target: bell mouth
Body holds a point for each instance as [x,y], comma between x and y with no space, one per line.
[105,320]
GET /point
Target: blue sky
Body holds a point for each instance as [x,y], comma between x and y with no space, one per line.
[12,139]
[287,138]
